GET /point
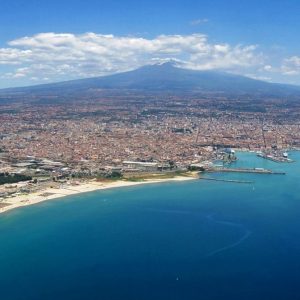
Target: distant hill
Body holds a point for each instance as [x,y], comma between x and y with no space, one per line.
[166,77]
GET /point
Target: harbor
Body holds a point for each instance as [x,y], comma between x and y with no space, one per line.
[275,157]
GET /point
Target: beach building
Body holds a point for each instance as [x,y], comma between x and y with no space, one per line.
[144,166]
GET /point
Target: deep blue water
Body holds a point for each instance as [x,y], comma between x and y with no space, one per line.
[189,240]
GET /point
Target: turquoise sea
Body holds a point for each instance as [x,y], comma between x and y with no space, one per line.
[187,240]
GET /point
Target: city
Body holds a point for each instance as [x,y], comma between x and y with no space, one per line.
[156,133]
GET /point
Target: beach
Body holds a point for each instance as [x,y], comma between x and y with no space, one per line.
[71,189]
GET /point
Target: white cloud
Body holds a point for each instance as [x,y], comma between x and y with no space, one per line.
[291,66]
[67,56]
[263,78]
[267,68]
[198,22]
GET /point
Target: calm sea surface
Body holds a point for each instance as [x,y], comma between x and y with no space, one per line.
[189,240]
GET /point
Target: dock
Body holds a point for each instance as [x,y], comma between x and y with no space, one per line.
[275,158]
[244,170]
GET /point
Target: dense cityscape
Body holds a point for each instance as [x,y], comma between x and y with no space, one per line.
[106,132]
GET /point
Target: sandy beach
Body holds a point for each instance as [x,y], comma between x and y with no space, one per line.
[69,189]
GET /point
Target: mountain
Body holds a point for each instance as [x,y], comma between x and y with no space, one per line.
[166,77]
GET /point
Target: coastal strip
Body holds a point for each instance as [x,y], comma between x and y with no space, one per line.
[68,190]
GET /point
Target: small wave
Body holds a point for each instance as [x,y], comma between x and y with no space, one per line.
[211,218]
[230,246]
[172,211]
[245,236]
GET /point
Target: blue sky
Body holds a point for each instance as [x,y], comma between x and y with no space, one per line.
[46,41]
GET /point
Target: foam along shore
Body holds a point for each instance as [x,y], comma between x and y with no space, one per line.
[68,189]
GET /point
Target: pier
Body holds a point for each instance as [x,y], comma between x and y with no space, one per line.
[227,180]
[245,170]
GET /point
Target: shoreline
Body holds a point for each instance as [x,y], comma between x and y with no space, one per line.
[69,190]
